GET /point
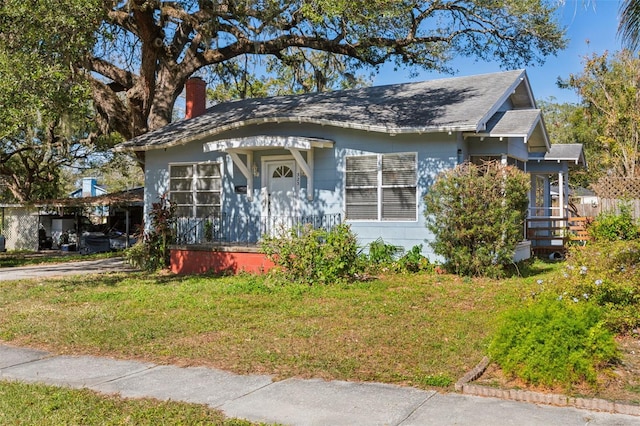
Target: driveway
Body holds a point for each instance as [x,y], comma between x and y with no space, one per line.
[113,264]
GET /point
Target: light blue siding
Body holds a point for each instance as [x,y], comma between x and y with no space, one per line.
[435,153]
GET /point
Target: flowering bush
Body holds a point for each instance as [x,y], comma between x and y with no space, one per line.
[608,274]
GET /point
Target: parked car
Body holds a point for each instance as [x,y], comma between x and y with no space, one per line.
[99,242]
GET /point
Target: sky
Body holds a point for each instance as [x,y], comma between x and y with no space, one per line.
[591,27]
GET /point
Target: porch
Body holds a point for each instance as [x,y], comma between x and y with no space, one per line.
[226,243]
[552,221]
[550,236]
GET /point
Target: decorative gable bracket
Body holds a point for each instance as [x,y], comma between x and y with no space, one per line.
[248,145]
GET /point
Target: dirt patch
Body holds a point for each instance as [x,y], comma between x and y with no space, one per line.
[621,384]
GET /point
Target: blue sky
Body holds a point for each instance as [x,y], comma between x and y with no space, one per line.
[591,28]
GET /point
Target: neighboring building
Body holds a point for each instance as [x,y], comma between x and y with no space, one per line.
[364,156]
[19,226]
[40,225]
[88,188]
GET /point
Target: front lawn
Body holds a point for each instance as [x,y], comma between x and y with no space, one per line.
[421,330]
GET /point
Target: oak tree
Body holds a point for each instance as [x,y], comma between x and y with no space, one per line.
[45,118]
[148,49]
[131,58]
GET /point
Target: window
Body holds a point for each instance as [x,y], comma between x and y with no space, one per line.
[282,172]
[515,162]
[381,187]
[195,189]
[479,160]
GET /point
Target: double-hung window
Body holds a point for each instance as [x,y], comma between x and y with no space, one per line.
[381,187]
[195,189]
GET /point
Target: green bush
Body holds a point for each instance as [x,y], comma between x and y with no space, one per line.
[413,261]
[381,253]
[390,257]
[314,256]
[476,214]
[554,342]
[608,274]
[151,252]
[609,226]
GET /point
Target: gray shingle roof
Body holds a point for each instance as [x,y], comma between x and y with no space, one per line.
[450,104]
[566,152]
[514,122]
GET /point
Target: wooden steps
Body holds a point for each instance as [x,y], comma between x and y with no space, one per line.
[552,234]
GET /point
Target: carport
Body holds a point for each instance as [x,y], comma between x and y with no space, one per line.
[40,225]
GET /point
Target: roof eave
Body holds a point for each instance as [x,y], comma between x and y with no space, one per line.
[482,123]
[270,120]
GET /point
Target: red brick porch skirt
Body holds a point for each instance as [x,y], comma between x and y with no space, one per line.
[201,259]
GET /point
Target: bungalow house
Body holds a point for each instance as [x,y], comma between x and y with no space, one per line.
[364,156]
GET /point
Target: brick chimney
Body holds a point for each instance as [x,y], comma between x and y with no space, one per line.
[196,97]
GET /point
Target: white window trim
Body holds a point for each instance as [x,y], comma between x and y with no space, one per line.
[380,188]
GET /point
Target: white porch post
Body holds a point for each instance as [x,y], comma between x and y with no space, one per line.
[561,195]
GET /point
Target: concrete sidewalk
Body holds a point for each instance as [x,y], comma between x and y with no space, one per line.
[49,270]
[291,401]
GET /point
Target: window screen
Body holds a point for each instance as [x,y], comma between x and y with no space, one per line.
[381,187]
[195,189]
[362,187]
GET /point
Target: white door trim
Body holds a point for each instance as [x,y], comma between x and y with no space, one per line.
[268,162]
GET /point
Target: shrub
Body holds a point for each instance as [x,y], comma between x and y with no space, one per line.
[381,253]
[151,252]
[393,258]
[608,274]
[314,256]
[610,226]
[476,214]
[554,342]
[413,261]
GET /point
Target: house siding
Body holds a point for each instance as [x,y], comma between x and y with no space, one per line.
[435,153]
[548,167]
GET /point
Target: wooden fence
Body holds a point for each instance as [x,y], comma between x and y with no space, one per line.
[613,192]
[607,205]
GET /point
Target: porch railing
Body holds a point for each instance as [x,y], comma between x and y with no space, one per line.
[546,212]
[551,234]
[235,229]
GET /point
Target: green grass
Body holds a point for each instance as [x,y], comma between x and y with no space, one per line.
[24,258]
[32,404]
[420,330]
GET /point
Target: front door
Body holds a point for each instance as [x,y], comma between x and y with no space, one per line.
[281,194]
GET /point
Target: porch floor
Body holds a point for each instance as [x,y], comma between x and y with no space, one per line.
[219,246]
